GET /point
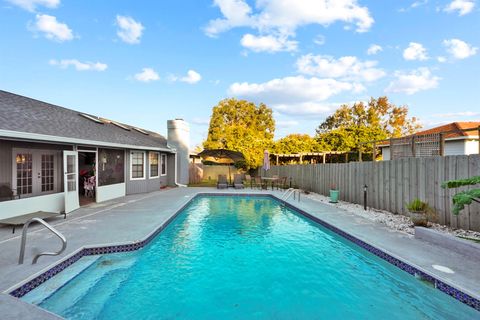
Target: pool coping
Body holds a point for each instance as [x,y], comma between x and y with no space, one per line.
[20,289]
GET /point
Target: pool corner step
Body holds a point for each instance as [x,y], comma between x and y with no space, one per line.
[43,291]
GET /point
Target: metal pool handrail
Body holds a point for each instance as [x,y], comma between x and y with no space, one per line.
[24,240]
[287,194]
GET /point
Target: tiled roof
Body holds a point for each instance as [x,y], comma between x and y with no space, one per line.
[22,114]
[453,126]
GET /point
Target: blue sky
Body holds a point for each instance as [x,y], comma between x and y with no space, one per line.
[143,62]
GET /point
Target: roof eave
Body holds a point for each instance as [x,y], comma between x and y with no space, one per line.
[49,138]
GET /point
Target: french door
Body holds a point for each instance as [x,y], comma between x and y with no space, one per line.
[34,172]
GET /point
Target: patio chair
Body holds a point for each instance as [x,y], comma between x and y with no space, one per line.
[237,181]
[258,182]
[7,193]
[249,180]
[89,186]
[222,182]
[282,182]
[275,182]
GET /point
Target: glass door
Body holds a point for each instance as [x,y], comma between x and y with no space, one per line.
[70,165]
[23,174]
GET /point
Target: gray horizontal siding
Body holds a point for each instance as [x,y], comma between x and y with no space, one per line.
[5,163]
[147,184]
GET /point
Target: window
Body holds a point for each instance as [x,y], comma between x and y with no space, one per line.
[47,173]
[137,165]
[153,159]
[111,169]
[71,173]
[164,164]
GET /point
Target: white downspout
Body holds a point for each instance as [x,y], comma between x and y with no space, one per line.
[176,169]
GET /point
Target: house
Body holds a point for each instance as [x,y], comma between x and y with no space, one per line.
[55,159]
[456,140]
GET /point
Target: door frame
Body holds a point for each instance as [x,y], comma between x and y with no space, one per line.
[71,198]
[96,169]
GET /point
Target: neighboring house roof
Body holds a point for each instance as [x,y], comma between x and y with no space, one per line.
[456,127]
[22,114]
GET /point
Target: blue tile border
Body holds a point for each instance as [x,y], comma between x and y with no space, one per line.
[440,285]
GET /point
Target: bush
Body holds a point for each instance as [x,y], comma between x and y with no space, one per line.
[417,205]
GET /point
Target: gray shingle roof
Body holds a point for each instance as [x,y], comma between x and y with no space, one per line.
[22,114]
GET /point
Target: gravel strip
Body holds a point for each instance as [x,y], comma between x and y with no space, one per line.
[392,221]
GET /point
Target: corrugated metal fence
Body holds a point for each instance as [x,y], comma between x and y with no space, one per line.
[392,184]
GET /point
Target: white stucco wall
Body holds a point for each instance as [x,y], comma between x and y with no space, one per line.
[386,153]
[179,139]
[49,203]
[113,191]
[471,147]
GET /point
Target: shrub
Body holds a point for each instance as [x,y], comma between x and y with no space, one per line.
[417,205]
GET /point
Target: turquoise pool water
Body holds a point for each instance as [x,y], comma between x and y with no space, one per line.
[248,258]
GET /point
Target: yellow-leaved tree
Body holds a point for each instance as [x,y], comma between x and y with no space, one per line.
[240,125]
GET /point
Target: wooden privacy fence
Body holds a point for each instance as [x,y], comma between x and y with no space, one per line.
[392,184]
[199,172]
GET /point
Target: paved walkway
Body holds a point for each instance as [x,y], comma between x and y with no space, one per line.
[133,217]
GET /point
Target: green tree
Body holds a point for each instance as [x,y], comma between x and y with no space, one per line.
[241,125]
[296,143]
[351,125]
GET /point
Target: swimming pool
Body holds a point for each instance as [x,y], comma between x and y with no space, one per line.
[243,258]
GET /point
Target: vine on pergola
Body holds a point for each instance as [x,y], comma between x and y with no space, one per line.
[464,198]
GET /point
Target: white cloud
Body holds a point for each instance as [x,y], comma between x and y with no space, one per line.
[304,109]
[147,75]
[319,40]
[236,13]
[51,28]
[415,51]
[268,43]
[286,123]
[441,59]
[463,7]
[280,19]
[374,49]
[412,82]
[459,49]
[130,31]
[294,96]
[419,3]
[192,77]
[79,66]
[414,5]
[348,68]
[31,5]
[288,15]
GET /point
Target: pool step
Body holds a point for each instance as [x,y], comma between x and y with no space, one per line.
[104,277]
[92,303]
[46,289]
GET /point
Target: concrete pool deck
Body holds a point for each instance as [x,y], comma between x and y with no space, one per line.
[133,217]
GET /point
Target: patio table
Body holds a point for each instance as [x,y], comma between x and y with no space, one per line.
[265,181]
